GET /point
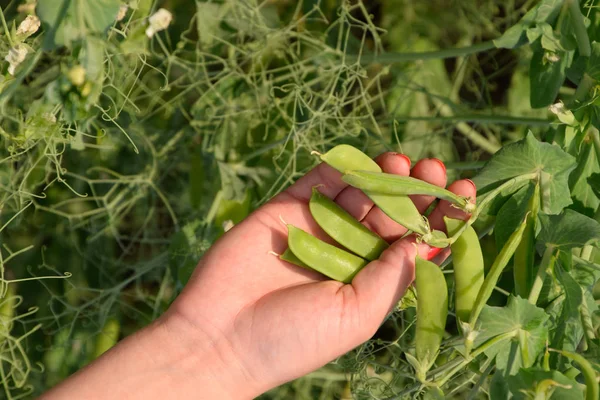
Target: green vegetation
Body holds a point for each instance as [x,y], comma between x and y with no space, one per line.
[133,133]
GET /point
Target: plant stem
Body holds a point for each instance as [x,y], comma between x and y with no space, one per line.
[547,262]
[467,130]
[480,119]
[474,354]
[6,30]
[583,41]
[488,198]
[391,58]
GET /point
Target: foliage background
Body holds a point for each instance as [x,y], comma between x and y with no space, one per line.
[113,187]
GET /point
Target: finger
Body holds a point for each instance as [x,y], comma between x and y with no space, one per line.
[379,286]
[322,174]
[377,220]
[355,202]
[431,171]
[464,187]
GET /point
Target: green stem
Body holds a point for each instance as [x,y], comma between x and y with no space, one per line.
[480,119]
[583,41]
[6,30]
[547,262]
[596,142]
[478,351]
[391,58]
[488,198]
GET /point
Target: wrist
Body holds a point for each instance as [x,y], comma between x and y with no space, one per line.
[200,362]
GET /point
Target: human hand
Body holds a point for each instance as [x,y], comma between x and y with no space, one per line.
[270,321]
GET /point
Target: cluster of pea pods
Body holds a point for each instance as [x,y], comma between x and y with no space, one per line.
[390,193]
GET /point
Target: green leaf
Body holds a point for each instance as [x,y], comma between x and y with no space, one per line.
[531,382]
[568,325]
[208,20]
[544,11]
[547,76]
[66,21]
[585,200]
[511,214]
[568,230]
[528,322]
[197,178]
[499,389]
[527,156]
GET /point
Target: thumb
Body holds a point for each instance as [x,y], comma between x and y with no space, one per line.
[379,286]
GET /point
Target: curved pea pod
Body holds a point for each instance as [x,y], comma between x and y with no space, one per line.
[496,269]
[344,228]
[399,208]
[290,257]
[524,261]
[344,157]
[432,312]
[380,182]
[592,391]
[107,338]
[467,259]
[329,260]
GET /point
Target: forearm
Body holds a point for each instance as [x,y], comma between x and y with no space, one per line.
[158,362]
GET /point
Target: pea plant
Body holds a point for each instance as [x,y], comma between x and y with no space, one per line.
[133,133]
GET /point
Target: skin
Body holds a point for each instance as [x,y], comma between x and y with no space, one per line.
[247,321]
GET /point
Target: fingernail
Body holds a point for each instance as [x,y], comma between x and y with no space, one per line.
[405,158]
[440,163]
[472,183]
[433,252]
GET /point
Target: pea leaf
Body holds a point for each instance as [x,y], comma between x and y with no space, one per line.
[511,214]
[568,326]
[515,36]
[528,322]
[551,164]
[585,200]
[547,75]
[529,382]
[66,21]
[568,230]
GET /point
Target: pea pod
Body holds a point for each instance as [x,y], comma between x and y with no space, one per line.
[432,311]
[329,260]
[524,272]
[290,257]
[589,374]
[391,184]
[399,208]
[495,271]
[344,228]
[467,259]
[107,338]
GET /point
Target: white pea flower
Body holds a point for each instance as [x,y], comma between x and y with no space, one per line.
[122,11]
[16,56]
[29,26]
[159,21]
[563,113]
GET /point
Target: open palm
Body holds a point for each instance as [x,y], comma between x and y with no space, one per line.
[275,321]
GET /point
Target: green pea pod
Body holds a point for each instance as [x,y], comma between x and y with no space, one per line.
[290,257]
[345,157]
[380,182]
[329,260]
[589,374]
[495,271]
[107,338]
[524,262]
[344,228]
[467,259]
[399,208]
[432,311]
